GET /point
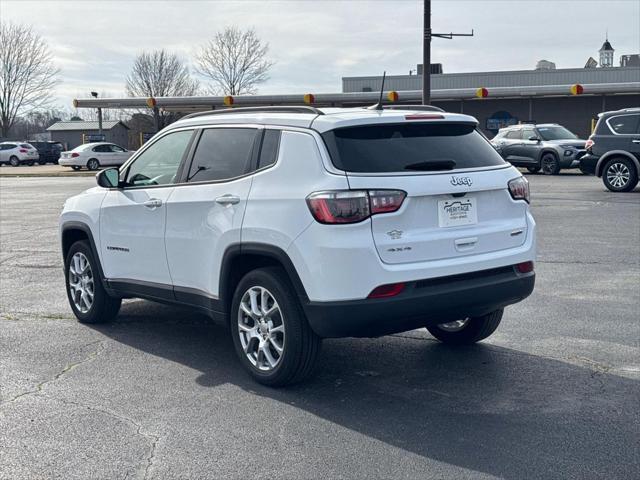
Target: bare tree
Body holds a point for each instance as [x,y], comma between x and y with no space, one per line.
[235,60]
[160,74]
[27,73]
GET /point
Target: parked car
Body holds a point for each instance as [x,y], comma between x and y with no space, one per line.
[49,152]
[17,153]
[95,155]
[549,146]
[613,150]
[292,224]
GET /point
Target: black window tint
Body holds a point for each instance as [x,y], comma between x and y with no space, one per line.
[102,148]
[158,164]
[402,147]
[514,135]
[269,150]
[624,124]
[222,153]
[116,148]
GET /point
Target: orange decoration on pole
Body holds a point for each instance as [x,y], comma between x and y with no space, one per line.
[482,92]
[228,100]
[393,96]
[576,89]
[309,98]
[151,102]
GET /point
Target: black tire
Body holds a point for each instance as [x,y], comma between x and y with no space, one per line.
[550,164]
[620,182]
[533,169]
[103,308]
[14,161]
[30,163]
[301,346]
[93,164]
[76,167]
[476,329]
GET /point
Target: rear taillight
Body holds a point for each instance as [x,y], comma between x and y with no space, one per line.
[352,206]
[385,201]
[524,267]
[74,155]
[24,150]
[589,145]
[519,189]
[384,291]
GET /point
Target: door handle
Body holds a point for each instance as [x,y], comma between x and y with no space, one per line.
[635,141]
[465,243]
[228,200]
[153,203]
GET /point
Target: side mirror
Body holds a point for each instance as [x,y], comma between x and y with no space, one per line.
[534,139]
[108,178]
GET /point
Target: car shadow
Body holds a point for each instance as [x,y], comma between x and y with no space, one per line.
[485,408]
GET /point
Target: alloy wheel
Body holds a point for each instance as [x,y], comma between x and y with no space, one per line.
[81,283]
[454,326]
[618,175]
[549,164]
[261,328]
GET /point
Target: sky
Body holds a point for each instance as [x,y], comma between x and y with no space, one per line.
[314,43]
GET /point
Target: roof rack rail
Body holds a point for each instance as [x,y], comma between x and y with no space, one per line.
[425,108]
[269,109]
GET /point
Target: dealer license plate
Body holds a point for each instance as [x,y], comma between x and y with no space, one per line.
[457,212]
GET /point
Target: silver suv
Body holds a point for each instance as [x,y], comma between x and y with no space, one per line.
[546,146]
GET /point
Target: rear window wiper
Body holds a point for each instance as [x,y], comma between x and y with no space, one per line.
[432,165]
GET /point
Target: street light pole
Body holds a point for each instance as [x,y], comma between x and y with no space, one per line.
[426,50]
[95,95]
[426,54]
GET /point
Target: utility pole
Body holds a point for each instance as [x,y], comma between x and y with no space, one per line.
[426,50]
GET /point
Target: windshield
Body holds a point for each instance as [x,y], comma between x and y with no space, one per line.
[556,133]
[405,146]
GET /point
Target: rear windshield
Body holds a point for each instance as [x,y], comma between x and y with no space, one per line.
[25,145]
[409,147]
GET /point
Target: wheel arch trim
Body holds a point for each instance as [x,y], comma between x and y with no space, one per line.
[83,227]
[615,153]
[258,249]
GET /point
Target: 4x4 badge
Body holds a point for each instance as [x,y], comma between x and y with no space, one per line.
[456,181]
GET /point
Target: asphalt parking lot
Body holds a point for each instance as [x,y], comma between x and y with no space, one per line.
[159,394]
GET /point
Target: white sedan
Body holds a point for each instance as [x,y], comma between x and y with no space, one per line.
[95,155]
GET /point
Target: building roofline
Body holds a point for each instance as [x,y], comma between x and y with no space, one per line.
[495,72]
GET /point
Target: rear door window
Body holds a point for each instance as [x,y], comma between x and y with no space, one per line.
[410,147]
[222,153]
[514,135]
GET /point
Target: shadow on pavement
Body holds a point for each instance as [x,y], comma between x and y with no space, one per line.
[485,408]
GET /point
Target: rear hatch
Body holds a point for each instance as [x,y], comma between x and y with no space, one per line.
[457,202]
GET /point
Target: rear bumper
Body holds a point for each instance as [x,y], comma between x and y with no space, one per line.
[588,163]
[422,303]
[71,162]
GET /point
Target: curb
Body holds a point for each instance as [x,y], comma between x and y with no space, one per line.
[42,175]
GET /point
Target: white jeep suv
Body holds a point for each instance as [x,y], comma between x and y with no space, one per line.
[293,224]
